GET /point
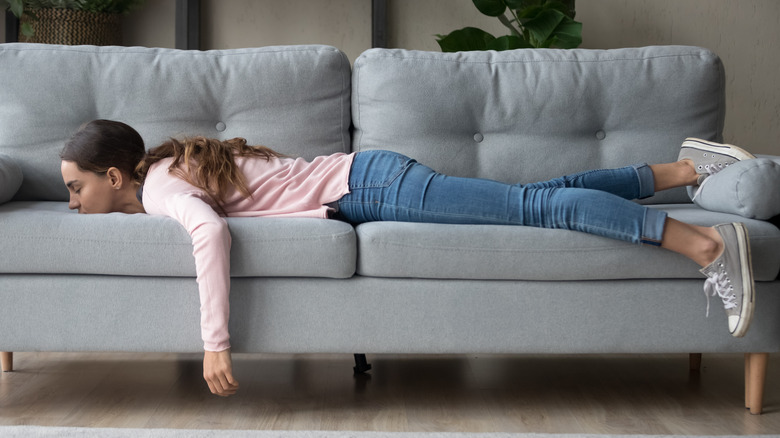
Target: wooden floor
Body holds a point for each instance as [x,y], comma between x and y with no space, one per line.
[566,394]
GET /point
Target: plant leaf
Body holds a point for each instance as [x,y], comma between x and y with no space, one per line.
[529,11]
[491,8]
[508,23]
[559,6]
[27,29]
[542,26]
[468,38]
[523,4]
[568,34]
[508,42]
[17,7]
[565,6]
[533,23]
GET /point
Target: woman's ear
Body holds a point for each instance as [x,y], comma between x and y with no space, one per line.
[115,178]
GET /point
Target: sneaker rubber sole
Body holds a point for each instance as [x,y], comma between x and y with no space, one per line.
[748,286]
[729,150]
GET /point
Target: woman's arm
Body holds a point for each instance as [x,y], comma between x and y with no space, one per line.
[211,248]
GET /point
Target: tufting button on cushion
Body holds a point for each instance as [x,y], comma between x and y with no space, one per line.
[221,126]
[478,137]
[601,135]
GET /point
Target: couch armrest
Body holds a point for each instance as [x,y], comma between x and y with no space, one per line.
[747,188]
[10,178]
[775,158]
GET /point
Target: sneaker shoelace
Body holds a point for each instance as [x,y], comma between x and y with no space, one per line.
[711,170]
[720,285]
[714,167]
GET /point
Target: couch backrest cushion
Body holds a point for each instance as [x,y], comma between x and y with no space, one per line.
[294,99]
[532,115]
[10,178]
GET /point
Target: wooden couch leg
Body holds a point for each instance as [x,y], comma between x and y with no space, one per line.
[694,362]
[7,361]
[755,375]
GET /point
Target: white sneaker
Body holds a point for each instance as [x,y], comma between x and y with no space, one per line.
[709,157]
[730,277]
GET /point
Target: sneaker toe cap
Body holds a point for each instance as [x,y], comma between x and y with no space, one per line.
[733,323]
[735,328]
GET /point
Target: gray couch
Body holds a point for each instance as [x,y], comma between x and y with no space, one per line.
[120,282]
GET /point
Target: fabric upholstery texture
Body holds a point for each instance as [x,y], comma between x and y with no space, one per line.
[749,188]
[10,178]
[378,315]
[532,115]
[295,99]
[394,249]
[46,238]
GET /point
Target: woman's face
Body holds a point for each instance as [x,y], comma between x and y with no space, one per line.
[89,191]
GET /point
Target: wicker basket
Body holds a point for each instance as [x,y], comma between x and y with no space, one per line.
[71,27]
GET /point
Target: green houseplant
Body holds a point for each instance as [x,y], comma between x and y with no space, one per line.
[70,21]
[532,24]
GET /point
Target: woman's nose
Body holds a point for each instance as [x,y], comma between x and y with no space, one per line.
[73,203]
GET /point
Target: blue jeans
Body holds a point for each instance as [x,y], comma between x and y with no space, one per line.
[386,186]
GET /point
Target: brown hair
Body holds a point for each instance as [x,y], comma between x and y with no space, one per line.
[214,169]
[102,144]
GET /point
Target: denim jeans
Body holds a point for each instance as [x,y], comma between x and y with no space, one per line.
[386,186]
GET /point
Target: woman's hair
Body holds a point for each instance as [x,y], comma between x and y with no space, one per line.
[209,164]
[206,163]
[102,144]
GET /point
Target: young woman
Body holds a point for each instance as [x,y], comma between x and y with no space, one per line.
[199,181]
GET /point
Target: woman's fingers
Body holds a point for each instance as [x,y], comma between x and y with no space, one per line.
[218,373]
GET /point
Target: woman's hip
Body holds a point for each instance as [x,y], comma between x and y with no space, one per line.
[377,169]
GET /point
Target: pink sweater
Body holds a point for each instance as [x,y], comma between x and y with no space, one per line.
[283,187]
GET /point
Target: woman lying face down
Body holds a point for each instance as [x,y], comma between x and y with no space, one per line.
[200,181]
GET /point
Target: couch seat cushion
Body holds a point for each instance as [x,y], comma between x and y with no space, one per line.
[395,249]
[47,238]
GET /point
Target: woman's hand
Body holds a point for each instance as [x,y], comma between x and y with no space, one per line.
[218,372]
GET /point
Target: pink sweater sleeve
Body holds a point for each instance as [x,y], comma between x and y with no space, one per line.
[211,248]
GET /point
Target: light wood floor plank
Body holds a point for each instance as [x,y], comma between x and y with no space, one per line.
[611,394]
